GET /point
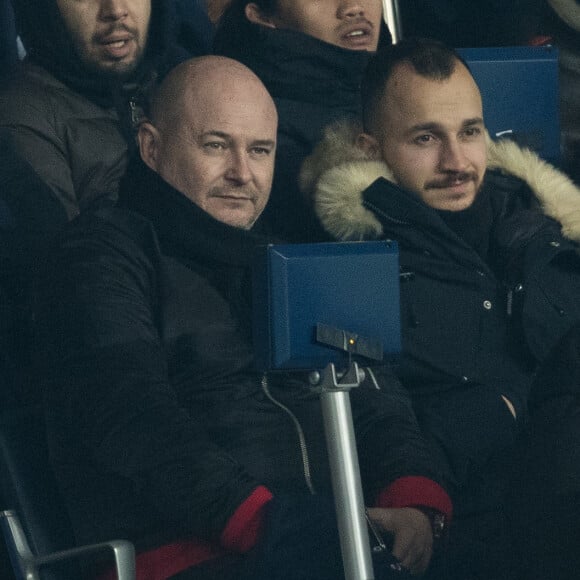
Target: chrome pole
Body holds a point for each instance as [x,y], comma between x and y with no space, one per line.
[344,467]
[392,17]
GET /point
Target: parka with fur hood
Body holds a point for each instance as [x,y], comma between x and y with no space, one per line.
[475,324]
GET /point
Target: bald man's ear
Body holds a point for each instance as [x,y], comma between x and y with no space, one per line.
[254,14]
[369,145]
[148,139]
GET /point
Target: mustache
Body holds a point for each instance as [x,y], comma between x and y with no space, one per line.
[452,179]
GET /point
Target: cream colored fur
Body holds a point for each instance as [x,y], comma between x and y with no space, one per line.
[568,11]
[557,194]
[338,171]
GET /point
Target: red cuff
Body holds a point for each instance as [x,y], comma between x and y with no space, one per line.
[243,528]
[416,491]
[540,40]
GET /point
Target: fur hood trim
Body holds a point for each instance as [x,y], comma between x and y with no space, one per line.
[568,11]
[338,171]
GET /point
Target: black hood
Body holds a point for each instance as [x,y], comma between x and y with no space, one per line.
[48,44]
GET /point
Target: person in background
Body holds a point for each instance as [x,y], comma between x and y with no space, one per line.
[67,108]
[311,57]
[66,122]
[215,9]
[160,429]
[195,28]
[490,276]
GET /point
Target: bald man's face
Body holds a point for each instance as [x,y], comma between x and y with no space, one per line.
[219,149]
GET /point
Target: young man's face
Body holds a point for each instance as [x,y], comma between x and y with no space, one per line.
[110,36]
[352,24]
[431,134]
[218,149]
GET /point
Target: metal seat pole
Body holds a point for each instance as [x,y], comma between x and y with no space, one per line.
[345,472]
[392,17]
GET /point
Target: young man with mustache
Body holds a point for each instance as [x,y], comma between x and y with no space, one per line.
[490,279]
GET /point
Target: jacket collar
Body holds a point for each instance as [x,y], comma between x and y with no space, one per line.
[338,172]
[184,230]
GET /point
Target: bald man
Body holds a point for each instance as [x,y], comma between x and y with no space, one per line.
[161,431]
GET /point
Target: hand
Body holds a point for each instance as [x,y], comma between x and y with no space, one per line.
[413,537]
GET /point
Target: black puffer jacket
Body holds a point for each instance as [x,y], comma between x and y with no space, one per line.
[313,83]
[159,426]
[474,328]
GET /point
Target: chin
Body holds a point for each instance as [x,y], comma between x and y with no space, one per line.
[240,223]
[114,70]
[459,205]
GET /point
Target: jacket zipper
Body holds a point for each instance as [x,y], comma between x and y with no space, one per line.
[299,431]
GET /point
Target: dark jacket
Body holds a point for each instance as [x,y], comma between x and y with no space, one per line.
[65,131]
[159,426]
[74,145]
[474,328]
[313,83]
[70,124]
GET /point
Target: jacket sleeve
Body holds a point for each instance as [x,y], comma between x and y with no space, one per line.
[106,378]
[551,287]
[542,270]
[35,139]
[30,213]
[73,146]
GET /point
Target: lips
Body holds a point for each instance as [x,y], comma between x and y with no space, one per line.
[357,34]
[234,198]
[117,45]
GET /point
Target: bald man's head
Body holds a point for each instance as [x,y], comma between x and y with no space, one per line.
[212,136]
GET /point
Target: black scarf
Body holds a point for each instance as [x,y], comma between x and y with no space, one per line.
[220,252]
[473,224]
[296,66]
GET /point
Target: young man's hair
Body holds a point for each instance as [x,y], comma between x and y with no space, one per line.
[430,58]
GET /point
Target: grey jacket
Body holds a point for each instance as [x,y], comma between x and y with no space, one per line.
[74,145]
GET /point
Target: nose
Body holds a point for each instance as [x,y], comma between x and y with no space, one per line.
[452,156]
[239,168]
[113,10]
[350,9]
